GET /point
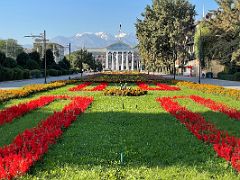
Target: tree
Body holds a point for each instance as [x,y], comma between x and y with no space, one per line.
[9,62]
[162,32]
[204,40]
[80,58]
[50,60]
[11,48]
[65,64]
[2,57]
[83,57]
[35,56]
[22,59]
[224,24]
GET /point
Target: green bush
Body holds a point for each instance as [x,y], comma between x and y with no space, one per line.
[31,64]
[65,72]
[26,74]
[209,75]
[9,63]
[6,74]
[35,73]
[225,76]
[236,76]
[17,74]
[53,72]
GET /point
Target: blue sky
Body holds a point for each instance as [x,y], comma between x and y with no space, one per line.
[68,17]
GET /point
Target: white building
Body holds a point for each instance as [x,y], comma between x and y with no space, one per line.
[57,49]
[117,57]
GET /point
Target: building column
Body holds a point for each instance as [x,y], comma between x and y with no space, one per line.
[112,61]
[106,63]
[117,62]
[122,65]
[132,61]
[127,63]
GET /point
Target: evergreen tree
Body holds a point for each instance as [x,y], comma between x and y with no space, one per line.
[35,56]
[22,59]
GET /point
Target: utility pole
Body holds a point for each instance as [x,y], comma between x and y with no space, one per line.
[69,51]
[174,61]
[200,57]
[45,57]
[43,36]
[6,53]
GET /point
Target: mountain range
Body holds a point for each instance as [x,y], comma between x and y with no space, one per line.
[95,40]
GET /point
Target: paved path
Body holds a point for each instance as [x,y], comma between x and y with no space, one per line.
[224,83]
[20,83]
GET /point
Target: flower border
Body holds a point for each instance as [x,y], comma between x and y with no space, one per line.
[227,147]
[29,146]
[160,87]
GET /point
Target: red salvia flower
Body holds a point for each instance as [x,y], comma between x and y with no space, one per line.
[29,146]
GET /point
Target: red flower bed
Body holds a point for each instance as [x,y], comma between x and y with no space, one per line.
[232,113]
[99,87]
[160,87]
[227,147]
[80,86]
[29,146]
[7,115]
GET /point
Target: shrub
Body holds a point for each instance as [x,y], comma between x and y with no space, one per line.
[2,57]
[31,64]
[26,74]
[236,76]
[6,74]
[17,74]
[22,59]
[209,75]
[35,73]
[53,72]
[225,76]
[9,62]
[124,92]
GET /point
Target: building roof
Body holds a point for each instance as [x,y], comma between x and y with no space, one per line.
[119,46]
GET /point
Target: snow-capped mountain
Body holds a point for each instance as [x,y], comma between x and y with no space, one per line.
[95,40]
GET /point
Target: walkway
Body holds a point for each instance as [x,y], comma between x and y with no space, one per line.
[224,83]
[20,83]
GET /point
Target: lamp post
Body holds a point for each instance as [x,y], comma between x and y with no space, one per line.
[69,46]
[44,39]
[201,56]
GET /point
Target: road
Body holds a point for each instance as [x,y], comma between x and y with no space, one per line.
[224,83]
[20,83]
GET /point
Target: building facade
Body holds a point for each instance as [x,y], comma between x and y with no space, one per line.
[117,57]
[57,49]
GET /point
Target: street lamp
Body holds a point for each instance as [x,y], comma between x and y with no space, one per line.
[69,46]
[44,39]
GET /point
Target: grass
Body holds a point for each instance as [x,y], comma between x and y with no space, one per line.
[153,143]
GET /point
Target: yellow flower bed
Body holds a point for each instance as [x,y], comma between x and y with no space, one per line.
[30,89]
[213,89]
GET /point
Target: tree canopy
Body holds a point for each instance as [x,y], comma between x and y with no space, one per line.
[224,25]
[163,30]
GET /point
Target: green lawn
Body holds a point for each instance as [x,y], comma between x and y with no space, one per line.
[153,143]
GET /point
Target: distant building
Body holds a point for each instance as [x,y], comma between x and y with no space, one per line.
[117,57]
[57,49]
